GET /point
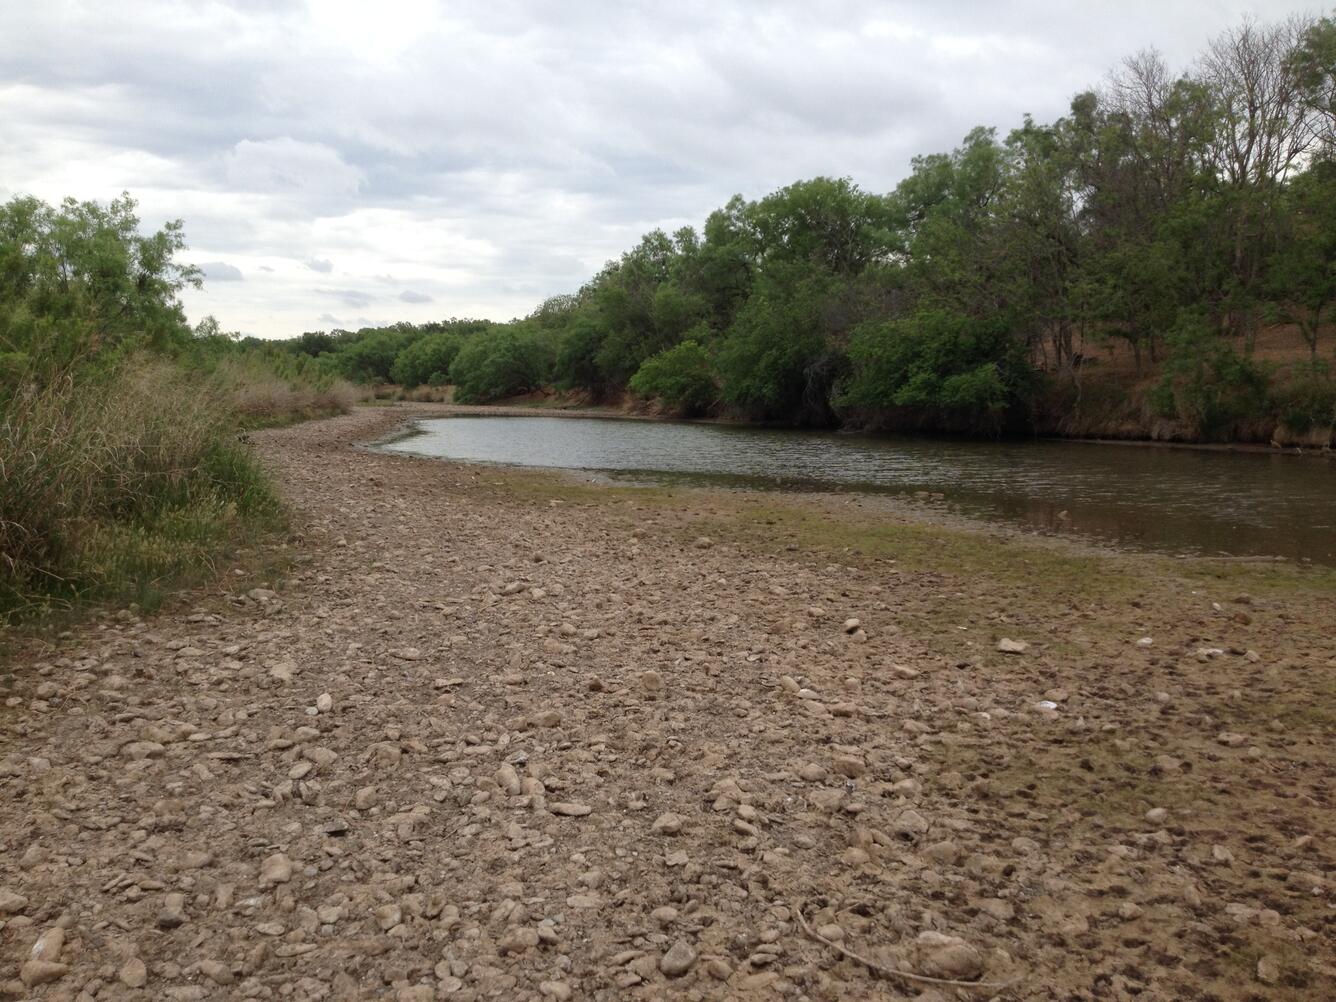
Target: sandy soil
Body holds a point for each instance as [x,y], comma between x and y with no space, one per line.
[499,734]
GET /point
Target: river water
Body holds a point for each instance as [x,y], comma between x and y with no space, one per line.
[1162,499]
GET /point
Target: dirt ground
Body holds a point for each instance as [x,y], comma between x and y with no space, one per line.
[506,735]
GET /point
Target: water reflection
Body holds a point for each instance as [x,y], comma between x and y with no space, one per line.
[1174,500]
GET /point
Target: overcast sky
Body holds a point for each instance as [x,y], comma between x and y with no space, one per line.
[364,161]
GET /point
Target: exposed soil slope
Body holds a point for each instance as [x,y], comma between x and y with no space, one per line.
[504,735]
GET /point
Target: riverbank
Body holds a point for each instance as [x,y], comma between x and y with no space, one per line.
[533,408]
[503,733]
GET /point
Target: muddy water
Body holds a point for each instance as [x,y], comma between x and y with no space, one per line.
[1162,499]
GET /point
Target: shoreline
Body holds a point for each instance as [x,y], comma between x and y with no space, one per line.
[512,410]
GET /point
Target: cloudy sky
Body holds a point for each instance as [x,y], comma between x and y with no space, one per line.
[345,162]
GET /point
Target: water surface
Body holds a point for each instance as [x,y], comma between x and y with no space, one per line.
[1163,499]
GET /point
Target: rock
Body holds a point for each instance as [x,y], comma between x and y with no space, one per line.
[218,973]
[324,703]
[679,959]
[850,766]
[366,798]
[508,779]
[703,542]
[173,912]
[1008,646]
[665,915]
[518,940]
[852,626]
[42,972]
[1157,815]
[1268,971]
[48,945]
[548,718]
[812,773]
[133,973]
[938,955]
[668,824]
[1231,740]
[651,683]
[831,931]
[570,810]
[277,869]
[11,903]
[139,751]
[555,990]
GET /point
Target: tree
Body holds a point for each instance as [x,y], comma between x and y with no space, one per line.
[682,377]
[1301,274]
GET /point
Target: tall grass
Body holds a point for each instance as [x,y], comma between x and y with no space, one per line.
[121,485]
[269,390]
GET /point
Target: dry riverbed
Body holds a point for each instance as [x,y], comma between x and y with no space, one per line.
[502,734]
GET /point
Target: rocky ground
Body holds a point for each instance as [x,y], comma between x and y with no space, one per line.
[502,735]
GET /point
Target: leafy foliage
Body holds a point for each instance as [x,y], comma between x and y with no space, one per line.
[682,377]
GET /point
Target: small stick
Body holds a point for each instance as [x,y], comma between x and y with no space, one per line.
[892,972]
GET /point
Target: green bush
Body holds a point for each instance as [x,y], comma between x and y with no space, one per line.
[501,364]
[682,377]
[938,365]
[1308,400]
[426,361]
[1206,382]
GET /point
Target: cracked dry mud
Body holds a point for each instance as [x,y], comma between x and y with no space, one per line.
[497,735]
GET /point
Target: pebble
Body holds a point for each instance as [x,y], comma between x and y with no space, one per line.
[651,683]
[41,972]
[1008,646]
[569,810]
[679,959]
[1157,815]
[668,824]
[133,973]
[276,869]
[11,903]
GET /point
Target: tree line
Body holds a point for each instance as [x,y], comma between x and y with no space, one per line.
[1175,214]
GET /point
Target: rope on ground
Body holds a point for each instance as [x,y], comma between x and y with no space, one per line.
[892,972]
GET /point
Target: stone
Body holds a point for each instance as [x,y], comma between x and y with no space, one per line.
[518,940]
[850,766]
[276,869]
[48,945]
[366,798]
[324,703]
[1008,646]
[42,972]
[852,626]
[1157,815]
[812,773]
[938,955]
[570,810]
[133,973]
[217,972]
[173,912]
[1268,971]
[651,683]
[11,903]
[679,959]
[668,824]
[665,915]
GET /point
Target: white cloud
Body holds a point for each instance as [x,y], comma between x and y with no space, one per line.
[482,154]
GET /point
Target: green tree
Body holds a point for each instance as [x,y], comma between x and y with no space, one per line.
[682,377]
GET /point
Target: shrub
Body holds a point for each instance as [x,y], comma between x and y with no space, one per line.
[1206,382]
[426,361]
[682,377]
[120,485]
[501,364]
[938,365]
[1308,400]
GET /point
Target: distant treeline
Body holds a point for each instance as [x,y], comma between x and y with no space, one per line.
[1175,214]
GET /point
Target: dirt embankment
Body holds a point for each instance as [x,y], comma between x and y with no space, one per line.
[502,735]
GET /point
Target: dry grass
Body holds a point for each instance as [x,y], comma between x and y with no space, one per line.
[116,486]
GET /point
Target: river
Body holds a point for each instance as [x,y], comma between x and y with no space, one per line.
[1170,500]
